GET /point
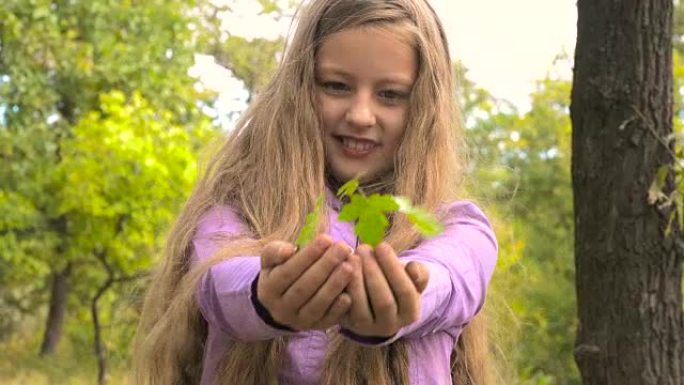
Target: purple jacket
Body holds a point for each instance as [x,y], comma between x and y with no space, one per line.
[461,261]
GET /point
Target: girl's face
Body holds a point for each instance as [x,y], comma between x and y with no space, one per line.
[364,77]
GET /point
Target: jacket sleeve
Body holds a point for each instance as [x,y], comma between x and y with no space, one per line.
[461,262]
[227,291]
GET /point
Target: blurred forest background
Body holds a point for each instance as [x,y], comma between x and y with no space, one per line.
[102,130]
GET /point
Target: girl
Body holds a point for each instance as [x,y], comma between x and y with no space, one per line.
[365,88]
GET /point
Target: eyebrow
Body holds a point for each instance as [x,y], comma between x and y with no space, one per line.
[391,78]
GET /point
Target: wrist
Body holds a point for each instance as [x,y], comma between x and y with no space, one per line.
[365,339]
[261,310]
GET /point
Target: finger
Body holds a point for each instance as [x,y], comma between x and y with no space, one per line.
[403,289]
[284,275]
[419,274]
[380,295]
[275,253]
[335,312]
[322,282]
[360,310]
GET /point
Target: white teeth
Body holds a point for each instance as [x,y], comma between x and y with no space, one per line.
[357,145]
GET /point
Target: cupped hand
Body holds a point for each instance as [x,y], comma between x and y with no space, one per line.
[385,293]
[304,289]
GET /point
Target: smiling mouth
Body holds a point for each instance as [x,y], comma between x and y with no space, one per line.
[356,147]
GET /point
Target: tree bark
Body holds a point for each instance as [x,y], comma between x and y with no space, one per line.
[629,272]
[100,350]
[58,303]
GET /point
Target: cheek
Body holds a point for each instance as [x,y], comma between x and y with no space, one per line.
[327,112]
[397,124]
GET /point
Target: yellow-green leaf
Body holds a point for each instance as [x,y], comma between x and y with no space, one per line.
[308,232]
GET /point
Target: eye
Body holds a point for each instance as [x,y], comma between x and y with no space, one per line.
[334,87]
[393,96]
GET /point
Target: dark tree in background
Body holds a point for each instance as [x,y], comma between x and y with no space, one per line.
[629,269]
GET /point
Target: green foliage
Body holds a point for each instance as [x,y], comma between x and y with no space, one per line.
[252,61]
[369,213]
[99,134]
[126,171]
[521,164]
[348,189]
[100,128]
[308,232]
[667,188]
[424,222]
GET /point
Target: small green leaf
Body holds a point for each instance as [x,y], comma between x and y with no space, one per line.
[425,222]
[382,203]
[308,232]
[403,203]
[348,189]
[352,211]
[370,214]
[371,227]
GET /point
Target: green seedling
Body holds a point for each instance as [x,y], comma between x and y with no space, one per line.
[369,215]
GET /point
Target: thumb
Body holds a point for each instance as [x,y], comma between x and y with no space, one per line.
[419,274]
[275,253]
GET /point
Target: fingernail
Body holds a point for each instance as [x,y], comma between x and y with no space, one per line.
[283,250]
[364,251]
[382,247]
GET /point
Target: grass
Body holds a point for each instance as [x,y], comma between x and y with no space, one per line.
[21,365]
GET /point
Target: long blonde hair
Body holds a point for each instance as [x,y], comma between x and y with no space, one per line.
[271,168]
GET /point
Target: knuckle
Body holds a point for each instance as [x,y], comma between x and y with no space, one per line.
[287,275]
[385,306]
[406,294]
[297,291]
[270,249]
[337,253]
[341,277]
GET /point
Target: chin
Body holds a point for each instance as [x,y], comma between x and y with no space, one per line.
[363,175]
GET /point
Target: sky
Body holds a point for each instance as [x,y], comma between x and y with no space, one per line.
[506,45]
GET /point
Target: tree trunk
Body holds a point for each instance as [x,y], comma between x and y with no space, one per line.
[629,272]
[58,303]
[100,351]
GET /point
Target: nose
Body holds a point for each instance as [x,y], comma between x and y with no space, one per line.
[361,112]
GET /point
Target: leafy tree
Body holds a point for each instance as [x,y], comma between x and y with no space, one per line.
[127,169]
[521,171]
[57,58]
[251,60]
